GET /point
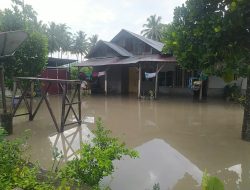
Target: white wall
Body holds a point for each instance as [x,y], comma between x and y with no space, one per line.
[217,82]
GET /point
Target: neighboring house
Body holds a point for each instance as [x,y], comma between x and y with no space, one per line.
[57,69]
[125,60]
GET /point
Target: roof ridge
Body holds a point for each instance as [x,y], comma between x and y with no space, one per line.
[154,44]
[143,37]
[118,49]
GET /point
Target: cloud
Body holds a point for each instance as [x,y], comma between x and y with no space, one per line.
[102,17]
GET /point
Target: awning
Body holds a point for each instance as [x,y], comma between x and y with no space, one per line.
[126,61]
[56,62]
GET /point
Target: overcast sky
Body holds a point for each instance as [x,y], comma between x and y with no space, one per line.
[103,17]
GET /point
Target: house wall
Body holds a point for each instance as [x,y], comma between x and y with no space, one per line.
[216,85]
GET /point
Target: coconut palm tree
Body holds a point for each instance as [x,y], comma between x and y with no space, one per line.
[153,28]
[80,44]
[92,41]
[53,39]
[64,38]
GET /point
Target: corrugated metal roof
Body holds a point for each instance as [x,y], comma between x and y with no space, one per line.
[98,62]
[118,49]
[125,61]
[122,52]
[56,62]
[154,44]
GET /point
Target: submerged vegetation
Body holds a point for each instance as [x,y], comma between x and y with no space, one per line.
[94,161]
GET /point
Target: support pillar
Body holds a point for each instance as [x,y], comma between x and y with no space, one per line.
[3,90]
[139,82]
[31,100]
[200,96]
[156,81]
[106,83]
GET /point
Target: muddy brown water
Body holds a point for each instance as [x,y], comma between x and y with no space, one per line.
[177,140]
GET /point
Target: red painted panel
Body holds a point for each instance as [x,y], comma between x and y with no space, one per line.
[54,74]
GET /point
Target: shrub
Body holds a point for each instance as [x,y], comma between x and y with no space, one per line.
[95,159]
[14,169]
[211,183]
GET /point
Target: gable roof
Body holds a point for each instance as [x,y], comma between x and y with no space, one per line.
[121,51]
[118,49]
[154,44]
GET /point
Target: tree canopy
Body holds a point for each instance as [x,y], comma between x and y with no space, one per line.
[210,35]
[31,57]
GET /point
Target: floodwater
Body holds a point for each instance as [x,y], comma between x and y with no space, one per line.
[177,140]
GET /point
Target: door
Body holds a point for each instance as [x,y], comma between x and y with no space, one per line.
[133,80]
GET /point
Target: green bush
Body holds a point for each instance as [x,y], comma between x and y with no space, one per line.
[14,169]
[232,91]
[211,183]
[95,159]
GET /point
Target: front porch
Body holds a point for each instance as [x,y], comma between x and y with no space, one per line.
[162,78]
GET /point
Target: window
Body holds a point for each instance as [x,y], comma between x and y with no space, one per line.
[166,79]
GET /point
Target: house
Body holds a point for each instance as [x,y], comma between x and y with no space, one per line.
[131,63]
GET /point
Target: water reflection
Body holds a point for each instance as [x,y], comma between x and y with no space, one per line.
[158,163]
[70,141]
[238,171]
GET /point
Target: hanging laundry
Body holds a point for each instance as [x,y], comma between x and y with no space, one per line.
[101,73]
[88,76]
[95,74]
[150,75]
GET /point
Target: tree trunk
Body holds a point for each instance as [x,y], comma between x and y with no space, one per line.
[245,134]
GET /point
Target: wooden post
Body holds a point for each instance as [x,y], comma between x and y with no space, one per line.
[79,104]
[139,82]
[200,98]
[31,100]
[13,96]
[78,69]
[156,81]
[63,107]
[106,83]
[3,90]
